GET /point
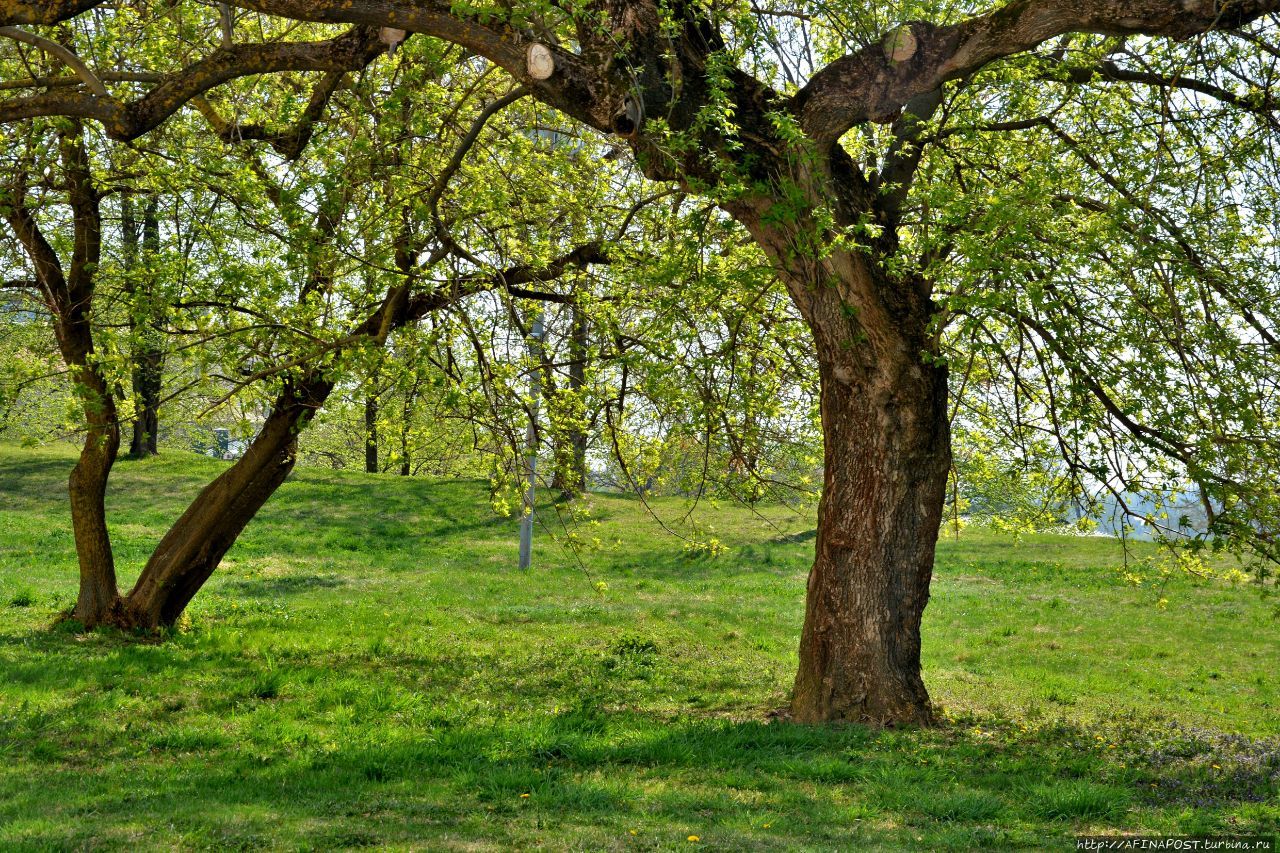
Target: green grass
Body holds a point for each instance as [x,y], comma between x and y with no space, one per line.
[368,668]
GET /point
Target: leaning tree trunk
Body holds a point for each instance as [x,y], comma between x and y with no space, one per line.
[886,460]
[193,547]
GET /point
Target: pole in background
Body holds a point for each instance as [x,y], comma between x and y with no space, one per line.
[531,440]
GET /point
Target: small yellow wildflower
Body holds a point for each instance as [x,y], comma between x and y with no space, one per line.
[524,796]
[1217,767]
[694,838]
[632,831]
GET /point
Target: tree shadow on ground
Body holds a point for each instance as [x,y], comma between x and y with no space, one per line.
[440,775]
[793,538]
[283,585]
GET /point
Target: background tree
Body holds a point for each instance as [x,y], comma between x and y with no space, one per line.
[140,246]
[288,311]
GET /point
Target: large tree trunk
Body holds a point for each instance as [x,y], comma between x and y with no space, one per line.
[193,547]
[68,293]
[886,460]
[887,450]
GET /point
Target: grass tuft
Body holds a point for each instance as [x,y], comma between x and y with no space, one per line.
[1077,800]
[22,598]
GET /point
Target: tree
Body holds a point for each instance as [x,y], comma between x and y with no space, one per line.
[820,168]
[68,291]
[287,324]
[144,316]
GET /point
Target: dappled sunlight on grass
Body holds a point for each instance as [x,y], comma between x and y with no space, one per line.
[369,669]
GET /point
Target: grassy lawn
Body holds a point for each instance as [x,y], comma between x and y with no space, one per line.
[368,668]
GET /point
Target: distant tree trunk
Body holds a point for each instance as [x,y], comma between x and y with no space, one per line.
[406,466]
[570,476]
[746,458]
[193,547]
[148,356]
[371,434]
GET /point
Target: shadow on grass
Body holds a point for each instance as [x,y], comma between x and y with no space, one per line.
[792,538]
[421,770]
[283,585]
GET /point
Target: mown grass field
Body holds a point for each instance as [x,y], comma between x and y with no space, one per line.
[369,668]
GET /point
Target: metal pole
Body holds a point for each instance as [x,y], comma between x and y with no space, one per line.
[531,441]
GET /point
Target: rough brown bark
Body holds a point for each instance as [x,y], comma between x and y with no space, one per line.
[887,452]
[886,459]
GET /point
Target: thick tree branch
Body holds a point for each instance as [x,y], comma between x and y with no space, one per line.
[125,121]
[875,83]
[899,170]
[49,12]
[289,142]
[576,87]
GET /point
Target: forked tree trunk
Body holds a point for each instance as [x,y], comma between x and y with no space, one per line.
[197,542]
[886,459]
